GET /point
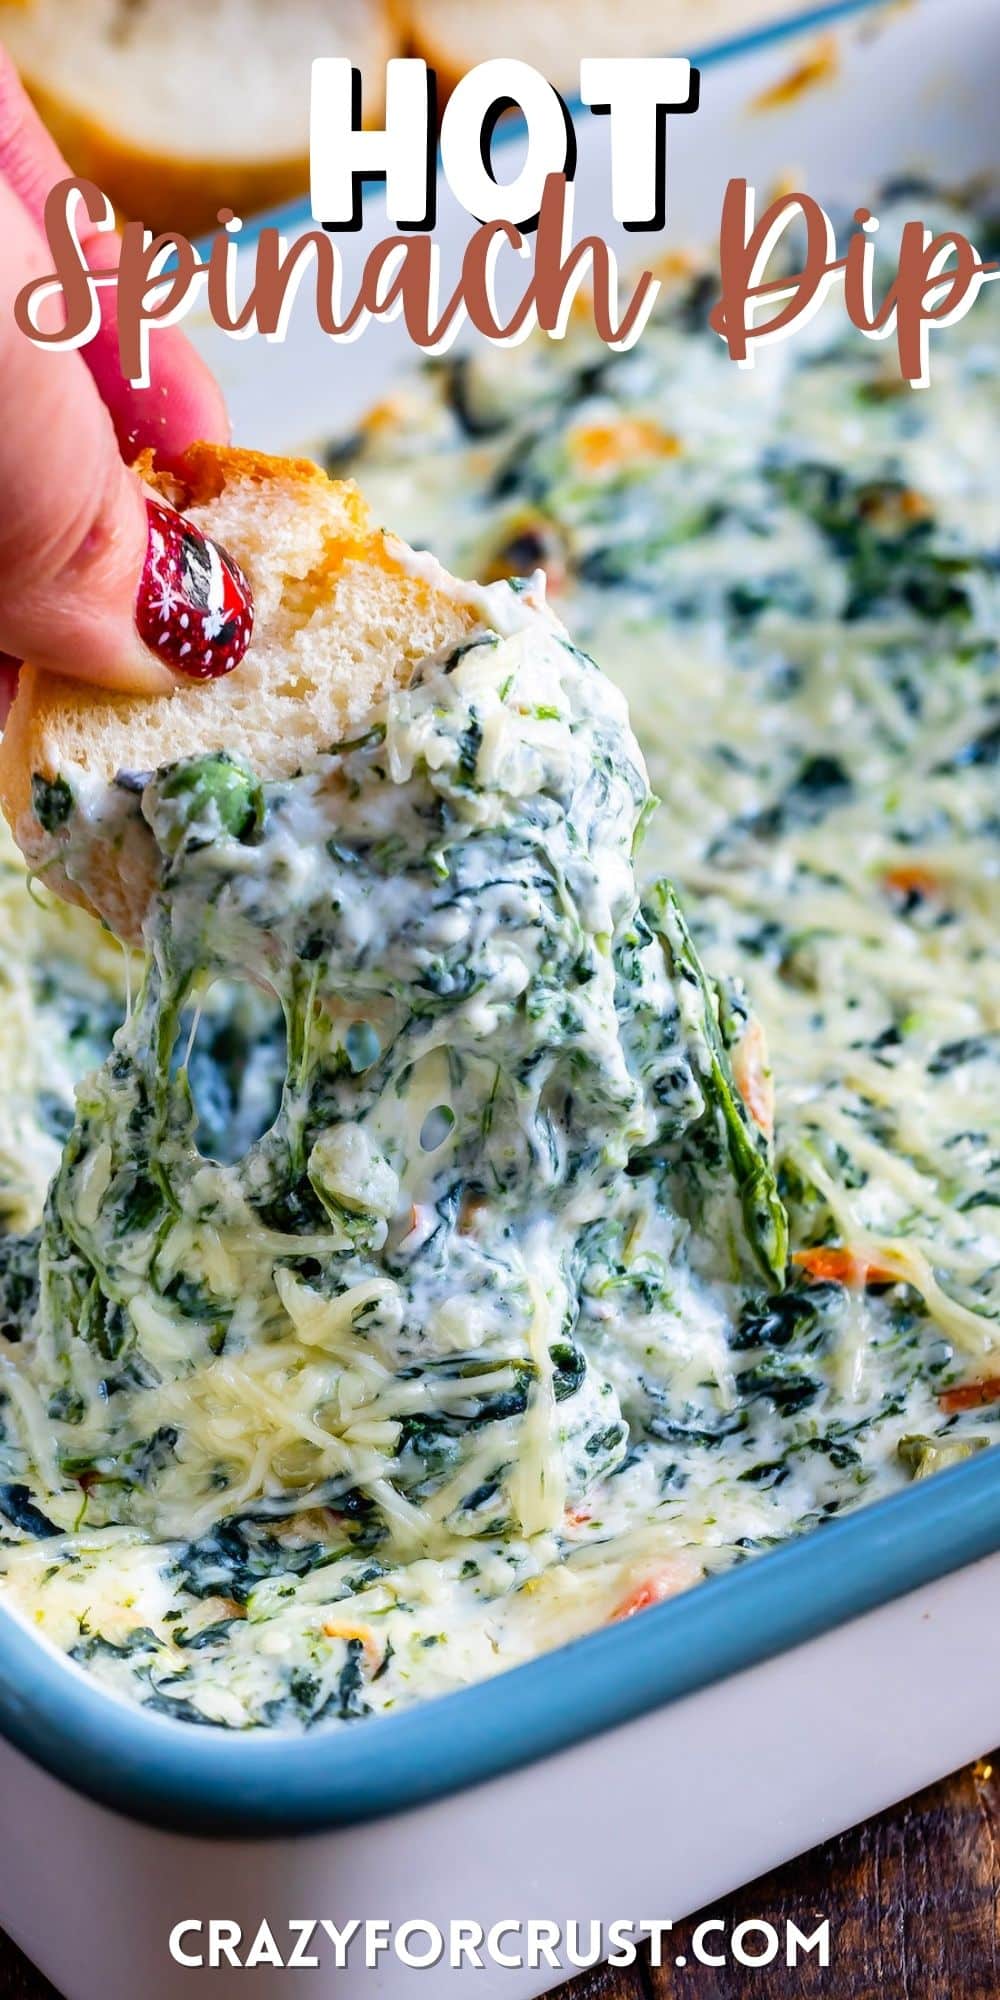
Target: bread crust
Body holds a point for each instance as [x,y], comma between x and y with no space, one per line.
[451,37]
[170,188]
[164,190]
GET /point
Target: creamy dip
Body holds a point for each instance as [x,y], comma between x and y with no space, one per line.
[411,1294]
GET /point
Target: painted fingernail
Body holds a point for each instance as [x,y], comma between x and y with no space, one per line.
[195,607]
[8,685]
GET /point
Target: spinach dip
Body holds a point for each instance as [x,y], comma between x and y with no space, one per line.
[496,1200]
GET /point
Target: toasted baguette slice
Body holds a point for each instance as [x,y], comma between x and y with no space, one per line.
[176,107]
[454,35]
[343,611]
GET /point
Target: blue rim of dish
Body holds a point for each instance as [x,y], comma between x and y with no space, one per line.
[298,214]
[245,1785]
[210,1781]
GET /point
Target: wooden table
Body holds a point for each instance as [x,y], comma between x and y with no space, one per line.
[913,1900]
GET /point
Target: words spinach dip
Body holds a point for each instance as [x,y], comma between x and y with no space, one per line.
[409,1285]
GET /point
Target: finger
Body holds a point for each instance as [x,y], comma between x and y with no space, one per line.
[183,400]
[72,518]
[82,558]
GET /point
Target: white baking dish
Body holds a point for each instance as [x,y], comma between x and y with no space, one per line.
[646,1770]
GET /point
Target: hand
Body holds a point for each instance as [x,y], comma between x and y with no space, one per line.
[93,574]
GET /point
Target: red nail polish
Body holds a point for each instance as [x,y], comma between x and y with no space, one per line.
[195,606]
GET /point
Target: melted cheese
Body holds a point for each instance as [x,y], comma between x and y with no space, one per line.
[799,599]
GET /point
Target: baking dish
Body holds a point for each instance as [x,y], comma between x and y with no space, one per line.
[696,1746]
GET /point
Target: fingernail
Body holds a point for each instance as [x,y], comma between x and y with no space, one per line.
[8,685]
[195,607]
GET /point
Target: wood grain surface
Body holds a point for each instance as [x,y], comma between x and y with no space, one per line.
[913,1900]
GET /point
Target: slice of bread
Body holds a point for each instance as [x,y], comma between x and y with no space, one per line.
[342,612]
[178,107]
[453,35]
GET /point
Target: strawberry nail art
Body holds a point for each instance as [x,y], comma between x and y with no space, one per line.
[195,606]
